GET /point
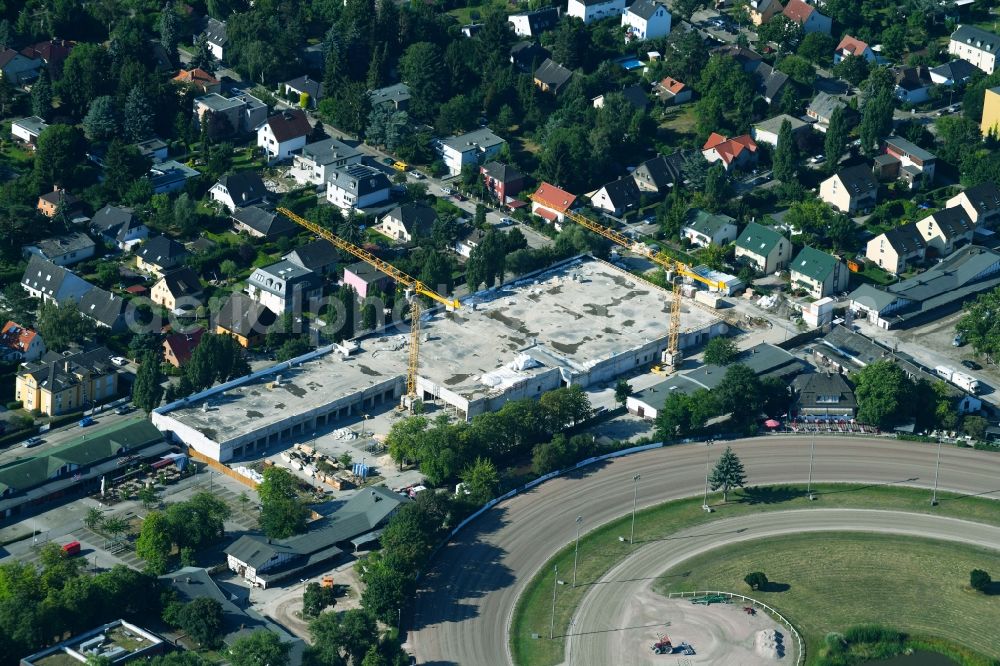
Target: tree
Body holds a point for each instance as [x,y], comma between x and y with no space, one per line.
[622,391]
[816,47]
[835,142]
[785,154]
[316,598]
[756,580]
[352,632]
[798,69]
[675,418]
[728,473]
[60,151]
[421,67]
[853,69]
[199,521]
[721,351]
[884,394]
[281,514]
[154,543]
[101,121]
[84,77]
[685,8]
[782,31]
[169,29]
[979,580]
[404,439]
[259,648]
[147,391]
[94,518]
[41,95]
[739,394]
[62,325]
[565,407]
[115,526]
[185,213]
[202,620]
[124,165]
[137,118]
[481,480]
[147,495]
[716,186]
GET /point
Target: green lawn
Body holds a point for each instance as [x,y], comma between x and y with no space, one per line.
[836,580]
[603,549]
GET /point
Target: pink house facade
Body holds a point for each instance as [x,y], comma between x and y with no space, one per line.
[363,277]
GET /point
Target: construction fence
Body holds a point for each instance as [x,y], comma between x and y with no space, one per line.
[222,469]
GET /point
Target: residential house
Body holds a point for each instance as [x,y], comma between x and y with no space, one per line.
[51,283]
[58,384]
[215,35]
[179,291]
[468,241]
[823,396]
[954,73]
[633,94]
[702,228]
[990,122]
[746,58]
[660,173]
[503,181]
[18,69]
[764,248]
[58,201]
[849,46]
[314,164]
[767,131]
[916,164]
[170,176]
[178,347]
[939,290]
[821,109]
[946,230]
[303,85]
[363,278]
[283,133]
[672,91]
[820,274]
[19,344]
[527,56]
[284,287]
[199,80]
[64,250]
[807,17]
[262,223]
[617,197]
[851,190]
[770,82]
[263,562]
[53,52]
[119,227]
[739,152]
[243,113]
[551,203]
[474,147]
[318,256]
[245,319]
[532,24]
[408,222]
[913,84]
[761,11]
[105,309]
[27,130]
[976,46]
[236,190]
[159,255]
[980,202]
[646,19]
[589,11]
[155,148]
[551,76]
[357,186]
[397,96]
[897,248]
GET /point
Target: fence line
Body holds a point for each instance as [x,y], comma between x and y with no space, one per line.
[800,656]
[222,469]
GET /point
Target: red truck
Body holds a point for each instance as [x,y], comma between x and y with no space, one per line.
[72,548]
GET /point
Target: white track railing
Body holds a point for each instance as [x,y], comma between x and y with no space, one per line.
[800,648]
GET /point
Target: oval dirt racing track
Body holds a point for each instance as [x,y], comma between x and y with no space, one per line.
[463,607]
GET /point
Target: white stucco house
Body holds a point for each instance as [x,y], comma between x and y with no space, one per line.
[283,134]
[357,186]
[473,147]
[589,11]
[646,19]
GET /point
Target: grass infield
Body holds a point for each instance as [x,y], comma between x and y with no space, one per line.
[603,549]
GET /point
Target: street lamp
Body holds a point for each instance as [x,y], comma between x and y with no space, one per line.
[708,462]
[552,620]
[635,498]
[937,470]
[364,422]
[812,455]
[576,555]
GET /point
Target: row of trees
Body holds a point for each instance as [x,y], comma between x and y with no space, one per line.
[187,526]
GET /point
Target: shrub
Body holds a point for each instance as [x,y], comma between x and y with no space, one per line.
[979,580]
[15,404]
[756,580]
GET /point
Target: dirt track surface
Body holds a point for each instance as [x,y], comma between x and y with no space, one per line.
[466,599]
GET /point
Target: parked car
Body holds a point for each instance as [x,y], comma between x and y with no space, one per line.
[119,360]
[416,174]
[400,166]
[388,161]
[958,340]
[505,222]
[124,409]
[32,441]
[86,421]
[971,365]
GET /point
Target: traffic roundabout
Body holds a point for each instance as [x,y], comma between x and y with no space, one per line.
[466,600]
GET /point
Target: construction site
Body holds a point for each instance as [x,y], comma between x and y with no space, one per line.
[583,322]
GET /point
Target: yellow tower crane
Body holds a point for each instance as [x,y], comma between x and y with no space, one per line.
[672,357]
[411,283]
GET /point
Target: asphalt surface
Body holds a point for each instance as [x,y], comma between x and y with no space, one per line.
[598,618]
[463,609]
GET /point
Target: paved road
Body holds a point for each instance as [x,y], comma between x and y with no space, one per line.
[601,610]
[463,609]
